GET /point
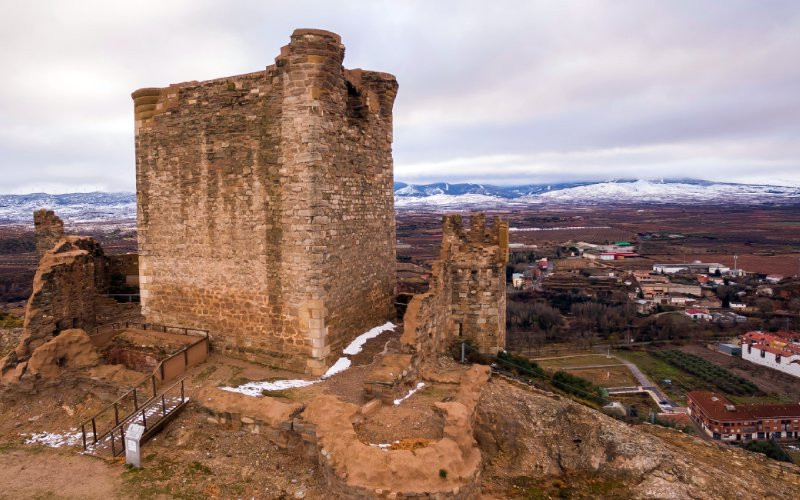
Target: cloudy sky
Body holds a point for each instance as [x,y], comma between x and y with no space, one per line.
[497,92]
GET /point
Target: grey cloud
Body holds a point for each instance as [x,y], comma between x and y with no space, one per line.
[504,91]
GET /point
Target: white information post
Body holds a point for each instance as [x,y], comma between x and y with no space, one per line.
[133,436]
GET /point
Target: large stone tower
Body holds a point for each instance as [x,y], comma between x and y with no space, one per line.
[265,204]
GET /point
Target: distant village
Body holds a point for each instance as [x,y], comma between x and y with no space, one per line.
[703,291]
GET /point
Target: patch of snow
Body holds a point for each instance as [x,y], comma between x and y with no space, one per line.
[410,393]
[54,440]
[383,446]
[341,365]
[255,389]
[356,345]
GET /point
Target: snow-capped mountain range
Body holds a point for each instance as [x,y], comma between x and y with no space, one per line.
[622,192]
[100,207]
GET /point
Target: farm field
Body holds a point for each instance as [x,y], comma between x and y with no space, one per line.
[613,376]
[558,363]
[557,235]
[682,381]
[771,382]
[658,370]
[643,403]
[722,379]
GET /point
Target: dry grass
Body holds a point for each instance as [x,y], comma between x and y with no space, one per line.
[616,376]
[576,361]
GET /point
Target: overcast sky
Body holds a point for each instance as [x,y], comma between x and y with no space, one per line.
[493,91]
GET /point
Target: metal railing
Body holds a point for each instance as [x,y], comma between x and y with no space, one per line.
[152,415]
[133,396]
[125,297]
[129,404]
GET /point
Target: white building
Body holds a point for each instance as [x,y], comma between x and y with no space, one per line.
[694,267]
[698,314]
[517,280]
[771,351]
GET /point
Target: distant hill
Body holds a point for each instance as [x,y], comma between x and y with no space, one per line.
[624,192]
[100,207]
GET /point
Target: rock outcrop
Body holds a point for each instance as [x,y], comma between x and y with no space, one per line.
[529,437]
[70,350]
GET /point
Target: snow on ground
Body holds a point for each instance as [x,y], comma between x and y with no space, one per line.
[256,388]
[358,344]
[383,445]
[55,440]
[410,393]
[341,365]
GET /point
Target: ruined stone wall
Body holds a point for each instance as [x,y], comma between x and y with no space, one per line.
[65,294]
[467,296]
[265,206]
[123,269]
[48,229]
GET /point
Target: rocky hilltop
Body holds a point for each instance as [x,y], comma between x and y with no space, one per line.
[538,445]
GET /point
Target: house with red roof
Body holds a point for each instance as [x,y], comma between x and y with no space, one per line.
[698,314]
[725,421]
[777,350]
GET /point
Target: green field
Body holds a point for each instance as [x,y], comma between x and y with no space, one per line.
[682,381]
[658,370]
[724,380]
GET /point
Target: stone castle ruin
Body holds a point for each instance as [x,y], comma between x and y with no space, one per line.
[266,217]
[69,290]
[467,296]
[265,204]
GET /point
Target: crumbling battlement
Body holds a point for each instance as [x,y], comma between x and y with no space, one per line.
[48,229]
[467,295]
[69,291]
[265,204]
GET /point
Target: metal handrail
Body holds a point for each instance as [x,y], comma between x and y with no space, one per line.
[152,379]
[115,405]
[142,410]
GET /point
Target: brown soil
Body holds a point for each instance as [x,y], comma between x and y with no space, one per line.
[413,418]
[41,473]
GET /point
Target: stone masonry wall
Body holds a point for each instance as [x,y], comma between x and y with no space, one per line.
[48,229]
[467,296]
[66,291]
[265,204]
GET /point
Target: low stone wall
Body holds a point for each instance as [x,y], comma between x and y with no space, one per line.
[265,415]
[323,433]
[354,469]
[393,376]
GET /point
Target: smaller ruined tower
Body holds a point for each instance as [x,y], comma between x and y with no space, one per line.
[467,296]
[478,280]
[48,228]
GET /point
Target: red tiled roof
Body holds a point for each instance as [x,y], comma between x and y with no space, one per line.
[716,407]
[778,343]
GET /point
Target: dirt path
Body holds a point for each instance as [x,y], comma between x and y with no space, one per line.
[39,473]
